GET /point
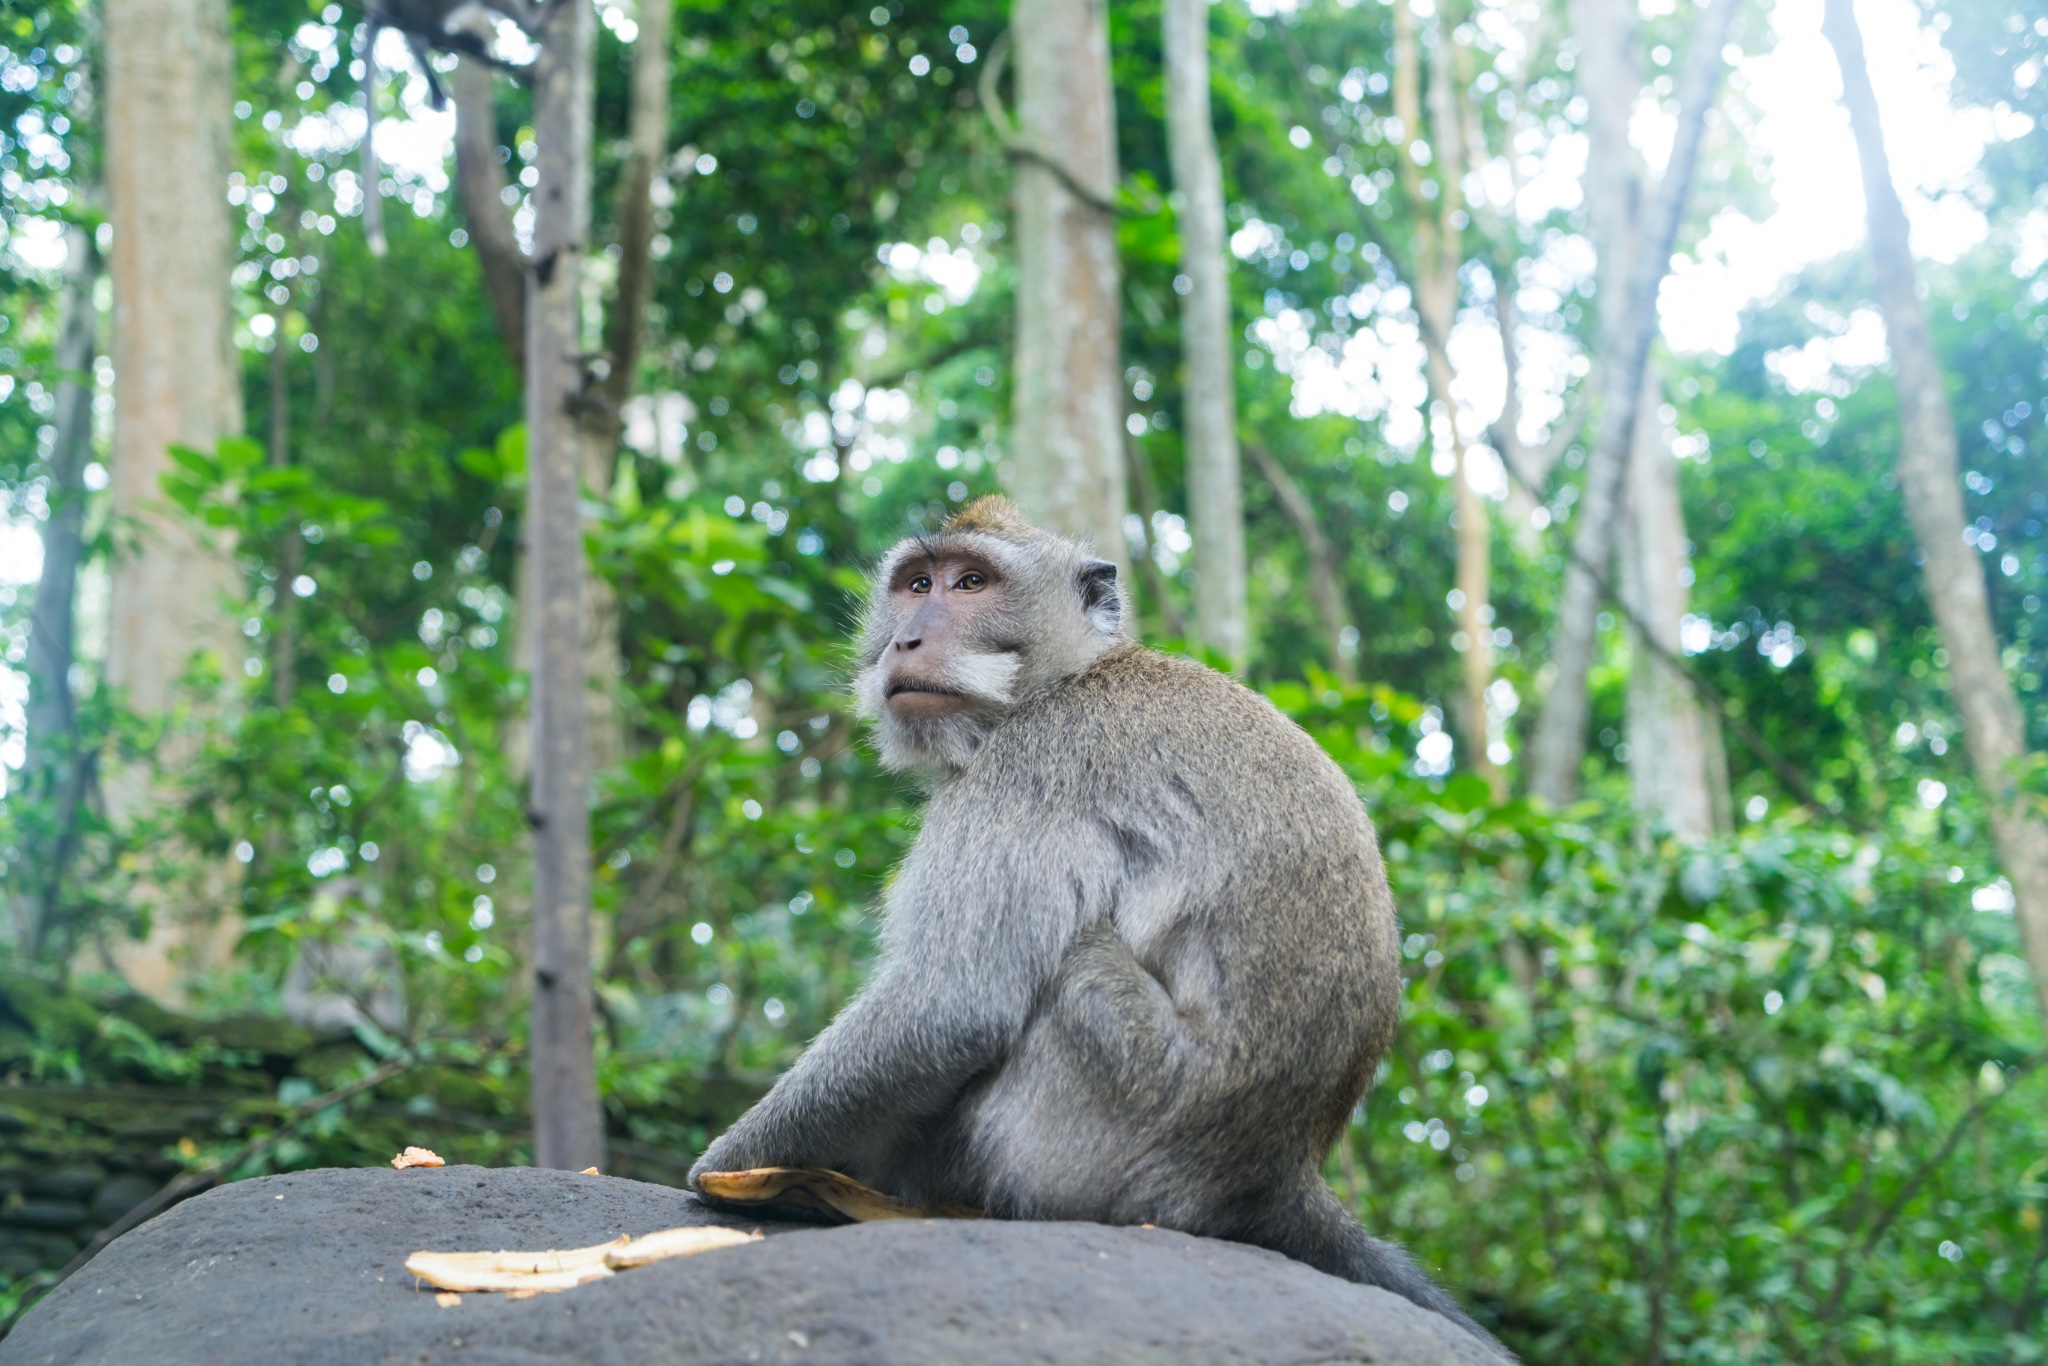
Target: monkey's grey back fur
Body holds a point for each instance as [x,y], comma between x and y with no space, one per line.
[1138,967]
[1232,975]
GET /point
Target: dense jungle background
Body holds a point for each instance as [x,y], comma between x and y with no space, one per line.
[1721,1041]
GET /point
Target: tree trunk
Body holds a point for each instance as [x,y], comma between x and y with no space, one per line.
[625,327]
[1068,367]
[480,184]
[1474,569]
[1994,728]
[1528,467]
[55,769]
[647,128]
[1145,499]
[284,636]
[1475,616]
[372,176]
[1439,257]
[169,82]
[1209,405]
[1668,757]
[568,1126]
[1326,570]
[1628,327]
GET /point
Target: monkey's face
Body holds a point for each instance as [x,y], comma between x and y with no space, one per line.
[964,626]
[939,661]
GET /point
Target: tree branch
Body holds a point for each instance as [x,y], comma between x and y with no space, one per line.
[1326,582]
[648,131]
[1146,496]
[1559,742]
[1020,148]
[480,183]
[1846,1269]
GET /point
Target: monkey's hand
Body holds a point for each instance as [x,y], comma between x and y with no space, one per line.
[738,1149]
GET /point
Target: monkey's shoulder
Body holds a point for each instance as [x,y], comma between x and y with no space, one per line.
[1137,716]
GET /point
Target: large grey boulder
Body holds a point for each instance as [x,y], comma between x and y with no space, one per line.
[307,1268]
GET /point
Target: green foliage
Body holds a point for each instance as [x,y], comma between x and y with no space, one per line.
[1770,1098]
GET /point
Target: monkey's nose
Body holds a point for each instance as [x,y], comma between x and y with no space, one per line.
[909,642]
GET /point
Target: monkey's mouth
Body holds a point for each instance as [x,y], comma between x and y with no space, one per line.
[912,698]
[912,685]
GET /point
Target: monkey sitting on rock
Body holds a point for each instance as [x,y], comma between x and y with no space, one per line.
[1141,961]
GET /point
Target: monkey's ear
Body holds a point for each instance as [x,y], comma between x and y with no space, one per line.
[1100,600]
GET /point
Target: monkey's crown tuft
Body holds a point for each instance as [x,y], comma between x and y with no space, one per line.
[992,515]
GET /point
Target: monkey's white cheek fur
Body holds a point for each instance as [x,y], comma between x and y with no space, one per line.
[990,677]
[867,692]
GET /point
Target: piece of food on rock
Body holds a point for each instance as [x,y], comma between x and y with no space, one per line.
[417,1157]
[526,1273]
[821,1192]
[674,1242]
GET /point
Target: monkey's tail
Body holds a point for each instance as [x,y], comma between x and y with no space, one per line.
[1320,1231]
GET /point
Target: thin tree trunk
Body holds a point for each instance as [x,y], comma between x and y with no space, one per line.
[1475,617]
[1215,495]
[480,183]
[647,128]
[1610,86]
[568,1126]
[633,215]
[1439,259]
[1326,571]
[1474,569]
[373,202]
[55,769]
[1994,728]
[1525,486]
[169,81]
[284,636]
[1068,367]
[1668,757]
[1146,499]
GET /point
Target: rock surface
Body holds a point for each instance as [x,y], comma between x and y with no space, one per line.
[307,1268]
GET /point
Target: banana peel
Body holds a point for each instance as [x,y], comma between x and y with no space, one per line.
[818,1191]
[674,1242]
[525,1273]
[836,1196]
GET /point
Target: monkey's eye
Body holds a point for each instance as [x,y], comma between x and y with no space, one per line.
[972,581]
[921,584]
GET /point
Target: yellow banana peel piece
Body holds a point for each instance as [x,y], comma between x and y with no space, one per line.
[824,1192]
[674,1242]
[564,1268]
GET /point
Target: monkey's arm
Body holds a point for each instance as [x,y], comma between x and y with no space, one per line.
[966,956]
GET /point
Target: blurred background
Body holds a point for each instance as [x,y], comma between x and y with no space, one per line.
[1524,395]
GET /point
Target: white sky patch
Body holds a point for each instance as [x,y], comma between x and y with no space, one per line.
[414,141]
[427,752]
[953,269]
[512,44]
[13,721]
[1803,131]
[1374,374]
[2030,241]
[659,425]
[620,21]
[38,243]
[21,551]
[1832,362]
